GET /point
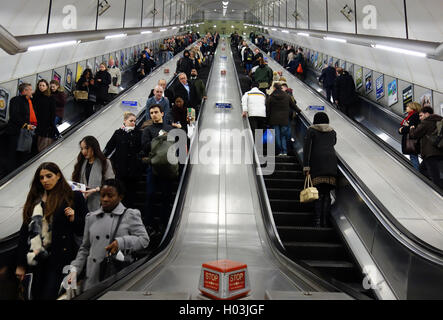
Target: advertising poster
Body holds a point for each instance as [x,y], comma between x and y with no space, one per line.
[392,93]
[79,72]
[320,61]
[19,82]
[122,58]
[315,59]
[426,99]
[56,76]
[331,61]
[380,87]
[4,102]
[68,79]
[343,65]
[369,82]
[359,78]
[408,96]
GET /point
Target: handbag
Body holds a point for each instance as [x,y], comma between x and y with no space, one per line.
[411,146]
[110,265]
[80,95]
[24,143]
[92,97]
[300,69]
[309,193]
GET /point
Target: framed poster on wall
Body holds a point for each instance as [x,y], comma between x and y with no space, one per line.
[426,99]
[408,96]
[392,93]
[56,76]
[4,102]
[369,82]
[380,87]
[359,78]
[68,79]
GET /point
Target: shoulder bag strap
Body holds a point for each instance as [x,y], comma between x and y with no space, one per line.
[118,225]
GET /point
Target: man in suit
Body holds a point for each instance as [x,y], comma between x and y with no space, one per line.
[21,115]
[328,76]
[186,91]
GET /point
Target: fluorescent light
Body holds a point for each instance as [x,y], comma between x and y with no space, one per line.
[273,29]
[173,28]
[145,32]
[335,39]
[163,30]
[303,34]
[285,31]
[53,45]
[399,50]
[113,36]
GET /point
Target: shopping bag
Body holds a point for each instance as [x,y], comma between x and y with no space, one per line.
[309,193]
[80,95]
[24,143]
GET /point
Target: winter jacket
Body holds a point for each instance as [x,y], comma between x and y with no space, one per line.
[263,74]
[102,87]
[414,121]
[200,88]
[124,147]
[422,132]
[44,107]
[151,132]
[60,102]
[191,98]
[99,227]
[344,89]
[116,77]
[184,65]
[328,76]
[18,115]
[319,155]
[254,103]
[278,105]
[164,103]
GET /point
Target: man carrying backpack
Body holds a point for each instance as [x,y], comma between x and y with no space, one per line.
[429,132]
[160,173]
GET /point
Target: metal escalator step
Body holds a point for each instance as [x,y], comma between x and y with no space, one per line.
[293,218]
[308,234]
[284,193]
[316,251]
[288,166]
[271,182]
[329,264]
[344,271]
[281,174]
[283,205]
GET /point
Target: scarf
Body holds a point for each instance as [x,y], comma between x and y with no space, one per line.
[410,114]
[40,236]
[128,129]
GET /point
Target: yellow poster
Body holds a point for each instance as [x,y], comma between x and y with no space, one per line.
[79,72]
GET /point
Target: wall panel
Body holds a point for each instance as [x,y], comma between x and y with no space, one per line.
[317,14]
[283,19]
[133,14]
[337,21]
[113,17]
[158,19]
[424,20]
[303,11]
[292,6]
[148,16]
[24,17]
[85,13]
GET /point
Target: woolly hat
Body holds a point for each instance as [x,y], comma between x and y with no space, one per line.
[321,118]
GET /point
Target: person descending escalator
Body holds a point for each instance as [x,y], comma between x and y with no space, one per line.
[320,161]
[409,146]
[344,92]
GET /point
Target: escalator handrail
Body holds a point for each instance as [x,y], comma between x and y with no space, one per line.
[387,217]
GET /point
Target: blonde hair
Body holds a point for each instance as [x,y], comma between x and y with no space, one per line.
[414,106]
[127,115]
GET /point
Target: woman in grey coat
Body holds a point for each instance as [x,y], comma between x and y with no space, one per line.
[91,169]
[100,225]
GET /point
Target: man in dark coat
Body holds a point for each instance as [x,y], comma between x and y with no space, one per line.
[328,76]
[186,91]
[168,93]
[433,157]
[184,64]
[344,91]
[21,115]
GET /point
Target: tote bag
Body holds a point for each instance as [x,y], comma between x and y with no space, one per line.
[24,143]
[309,193]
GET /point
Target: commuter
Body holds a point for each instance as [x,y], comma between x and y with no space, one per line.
[432,156]
[91,169]
[143,66]
[254,107]
[320,161]
[248,58]
[53,223]
[86,83]
[159,99]
[155,183]
[116,79]
[344,92]
[21,115]
[200,88]
[187,91]
[184,64]
[167,92]
[278,106]
[194,61]
[102,82]
[123,149]
[283,55]
[291,54]
[44,106]
[257,57]
[412,120]
[328,76]
[179,113]
[100,226]
[300,61]
[60,100]
[263,76]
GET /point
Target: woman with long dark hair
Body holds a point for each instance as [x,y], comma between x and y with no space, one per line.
[125,145]
[102,82]
[91,169]
[86,83]
[53,223]
[45,111]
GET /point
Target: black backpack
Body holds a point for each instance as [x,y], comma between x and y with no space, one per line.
[249,55]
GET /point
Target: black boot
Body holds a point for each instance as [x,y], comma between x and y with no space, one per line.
[318,210]
[326,210]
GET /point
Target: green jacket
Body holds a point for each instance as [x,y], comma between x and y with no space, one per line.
[200,88]
[264,74]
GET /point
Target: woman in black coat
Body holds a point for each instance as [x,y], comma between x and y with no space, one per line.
[86,83]
[320,161]
[44,105]
[102,81]
[53,223]
[124,146]
[411,120]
